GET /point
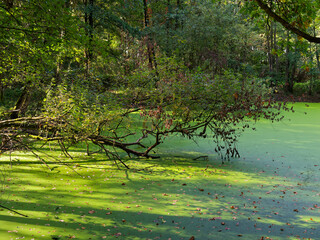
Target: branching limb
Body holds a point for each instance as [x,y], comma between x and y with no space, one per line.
[286,24]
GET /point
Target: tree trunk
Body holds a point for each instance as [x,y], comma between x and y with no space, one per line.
[177,25]
[288,80]
[269,46]
[88,17]
[168,27]
[1,89]
[311,72]
[317,57]
[148,40]
[286,24]
[317,53]
[22,103]
[275,47]
[293,71]
[1,92]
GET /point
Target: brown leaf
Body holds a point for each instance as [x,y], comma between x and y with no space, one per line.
[192,238]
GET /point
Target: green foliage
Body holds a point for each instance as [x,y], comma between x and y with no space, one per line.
[83,106]
[209,34]
[309,87]
[86,73]
[301,88]
[175,100]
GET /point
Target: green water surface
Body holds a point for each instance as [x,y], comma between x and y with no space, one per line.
[271,192]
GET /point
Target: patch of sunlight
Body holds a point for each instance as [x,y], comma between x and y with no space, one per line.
[171,197]
[307,220]
[271,222]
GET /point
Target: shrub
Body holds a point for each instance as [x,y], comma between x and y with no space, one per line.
[304,88]
[301,88]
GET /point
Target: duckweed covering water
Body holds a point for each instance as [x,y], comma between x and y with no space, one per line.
[271,192]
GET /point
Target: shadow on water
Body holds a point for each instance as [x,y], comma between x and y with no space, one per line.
[272,191]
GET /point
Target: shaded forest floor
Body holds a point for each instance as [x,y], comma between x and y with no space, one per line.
[287,97]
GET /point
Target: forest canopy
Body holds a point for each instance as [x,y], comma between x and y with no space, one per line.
[125,75]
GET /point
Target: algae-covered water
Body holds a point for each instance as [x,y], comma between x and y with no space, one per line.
[271,192]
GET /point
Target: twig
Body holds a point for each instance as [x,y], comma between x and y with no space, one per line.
[204,157]
[13,211]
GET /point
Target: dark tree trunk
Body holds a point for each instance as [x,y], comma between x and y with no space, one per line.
[88,17]
[317,57]
[286,24]
[317,53]
[90,49]
[275,47]
[269,46]
[1,89]
[148,40]
[289,75]
[22,103]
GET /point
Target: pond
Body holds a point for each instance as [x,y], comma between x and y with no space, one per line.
[271,192]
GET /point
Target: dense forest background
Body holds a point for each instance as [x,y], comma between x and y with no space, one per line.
[94,70]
